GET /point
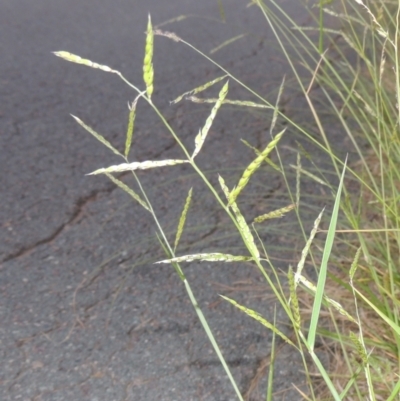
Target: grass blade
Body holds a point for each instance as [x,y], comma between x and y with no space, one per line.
[324,266]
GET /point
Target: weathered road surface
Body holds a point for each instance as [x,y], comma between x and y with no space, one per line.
[84,312]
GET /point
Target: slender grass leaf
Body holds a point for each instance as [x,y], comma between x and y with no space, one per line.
[253,167]
[324,266]
[128,190]
[275,214]
[390,322]
[325,376]
[183,218]
[73,58]
[137,166]
[395,392]
[200,138]
[212,340]
[208,257]
[199,89]
[255,315]
[271,364]
[148,70]
[131,124]
[99,137]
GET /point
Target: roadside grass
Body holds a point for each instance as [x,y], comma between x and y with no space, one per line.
[352,308]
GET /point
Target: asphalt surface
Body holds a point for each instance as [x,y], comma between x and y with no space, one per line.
[84,312]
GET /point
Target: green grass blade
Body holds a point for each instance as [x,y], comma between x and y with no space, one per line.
[390,322]
[271,364]
[182,219]
[326,377]
[395,392]
[99,137]
[324,266]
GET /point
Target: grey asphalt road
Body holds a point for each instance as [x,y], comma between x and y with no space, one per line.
[84,312]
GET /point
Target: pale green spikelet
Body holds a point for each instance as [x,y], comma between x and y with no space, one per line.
[336,305]
[167,34]
[73,58]
[305,250]
[308,174]
[201,136]
[243,226]
[182,219]
[99,137]
[255,315]
[294,302]
[200,88]
[128,190]
[208,257]
[267,159]
[298,170]
[242,103]
[275,214]
[354,265]
[148,70]
[276,109]
[131,124]
[137,166]
[253,167]
[227,42]
[362,354]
